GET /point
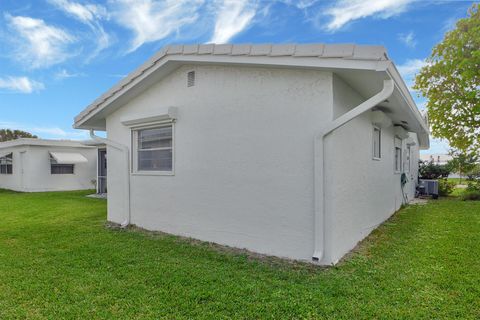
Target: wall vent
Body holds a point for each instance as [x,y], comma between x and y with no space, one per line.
[190,78]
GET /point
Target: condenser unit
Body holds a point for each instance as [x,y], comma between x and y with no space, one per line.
[429,187]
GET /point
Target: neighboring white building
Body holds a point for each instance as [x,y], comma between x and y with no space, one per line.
[295,151]
[32,165]
[436,158]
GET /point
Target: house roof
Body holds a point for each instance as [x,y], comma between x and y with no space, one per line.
[42,142]
[363,67]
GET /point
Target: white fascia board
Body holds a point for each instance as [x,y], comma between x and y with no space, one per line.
[41,142]
[407,97]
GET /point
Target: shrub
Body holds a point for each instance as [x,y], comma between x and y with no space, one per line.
[473,186]
[429,170]
[470,195]
[472,192]
[445,187]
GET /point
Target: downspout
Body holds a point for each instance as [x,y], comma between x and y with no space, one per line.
[319,163]
[125,151]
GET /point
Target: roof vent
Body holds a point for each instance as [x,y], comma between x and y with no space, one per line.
[190,78]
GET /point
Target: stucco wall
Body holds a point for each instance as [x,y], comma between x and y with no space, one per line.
[36,170]
[361,192]
[244,162]
[243,158]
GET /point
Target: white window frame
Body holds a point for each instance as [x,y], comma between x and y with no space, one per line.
[379,142]
[7,158]
[134,150]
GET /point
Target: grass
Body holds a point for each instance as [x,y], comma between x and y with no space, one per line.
[58,261]
[458,180]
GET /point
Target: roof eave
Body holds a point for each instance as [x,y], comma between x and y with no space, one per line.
[176,60]
[424,134]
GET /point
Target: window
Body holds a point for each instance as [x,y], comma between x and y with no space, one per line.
[154,149]
[398,159]
[56,168]
[406,166]
[377,135]
[397,156]
[6,164]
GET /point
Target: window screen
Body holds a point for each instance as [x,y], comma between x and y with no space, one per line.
[6,164]
[377,135]
[56,168]
[155,149]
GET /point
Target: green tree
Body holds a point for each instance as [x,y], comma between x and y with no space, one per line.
[7,134]
[451,82]
[462,163]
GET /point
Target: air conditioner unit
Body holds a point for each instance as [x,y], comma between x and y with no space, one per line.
[429,187]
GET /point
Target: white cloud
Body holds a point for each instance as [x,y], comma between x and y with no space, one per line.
[53,132]
[409,69]
[20,84]
[38,44]
[90,15]
[345,11]
[408,39]
[152,21]
[57,133]
[437,146]
[300,4]
[87,13]
[233,16]
[64,74]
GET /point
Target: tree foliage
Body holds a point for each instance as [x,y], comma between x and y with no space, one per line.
[462,163]
[7,134]
[430,170]
[451,83]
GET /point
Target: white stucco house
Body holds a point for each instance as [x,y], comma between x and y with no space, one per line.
[294,151]
[34,165]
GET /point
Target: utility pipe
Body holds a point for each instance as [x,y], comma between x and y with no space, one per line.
[319,163]
[125,151]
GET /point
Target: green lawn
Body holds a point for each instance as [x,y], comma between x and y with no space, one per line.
[58,261]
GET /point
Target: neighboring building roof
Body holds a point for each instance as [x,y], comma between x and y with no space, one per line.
[339,58]
[42,142]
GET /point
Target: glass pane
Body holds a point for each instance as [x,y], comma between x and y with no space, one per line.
[62,169]
[155,138]
[397,159]
[155,160]
[376,143]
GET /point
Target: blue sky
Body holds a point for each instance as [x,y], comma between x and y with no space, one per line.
[57,56]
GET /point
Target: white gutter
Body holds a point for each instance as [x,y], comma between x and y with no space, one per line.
[319,163]
[125,151]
